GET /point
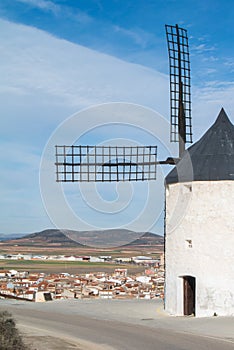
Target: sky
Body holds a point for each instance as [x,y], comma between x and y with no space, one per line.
[95,71]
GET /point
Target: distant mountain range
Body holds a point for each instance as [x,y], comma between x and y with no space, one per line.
[69,238]
[7,237]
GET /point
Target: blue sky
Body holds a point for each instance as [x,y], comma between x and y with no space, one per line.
[60,57]
[134,31]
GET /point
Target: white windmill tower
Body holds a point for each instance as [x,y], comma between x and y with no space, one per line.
[199,226]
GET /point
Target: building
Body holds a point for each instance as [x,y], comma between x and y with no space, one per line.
[199,227]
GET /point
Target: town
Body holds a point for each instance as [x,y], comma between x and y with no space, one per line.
[40,286]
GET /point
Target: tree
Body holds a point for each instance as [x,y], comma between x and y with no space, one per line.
[10,338]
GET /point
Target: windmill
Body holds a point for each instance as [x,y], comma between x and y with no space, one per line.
[79,163]
[196,282]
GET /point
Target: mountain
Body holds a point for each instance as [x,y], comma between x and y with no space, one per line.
[148,239]
[6,237]
[49,238]
[68,238]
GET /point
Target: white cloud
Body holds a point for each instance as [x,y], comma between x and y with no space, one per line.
[208,102]
[59,10]
[228,62]
[210,59]
[139,36]
[209,71]
[34,62]
[79,16]
[44,5]
[203,48]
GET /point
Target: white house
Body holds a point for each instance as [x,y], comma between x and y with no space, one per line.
[41,296]
[199,230]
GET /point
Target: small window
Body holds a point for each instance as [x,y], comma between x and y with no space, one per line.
[47,297]
[187,188]
[189,243]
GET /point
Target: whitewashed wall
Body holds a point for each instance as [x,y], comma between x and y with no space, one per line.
[202,212]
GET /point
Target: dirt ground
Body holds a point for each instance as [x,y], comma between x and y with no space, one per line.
[49,343]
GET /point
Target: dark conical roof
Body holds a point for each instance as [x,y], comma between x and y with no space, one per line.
[211,158]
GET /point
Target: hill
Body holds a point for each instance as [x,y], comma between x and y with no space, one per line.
[148,239]
[6,237]
[68,238]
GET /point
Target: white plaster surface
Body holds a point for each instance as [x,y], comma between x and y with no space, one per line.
[200,243]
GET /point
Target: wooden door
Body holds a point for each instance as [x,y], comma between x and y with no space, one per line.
[189,295]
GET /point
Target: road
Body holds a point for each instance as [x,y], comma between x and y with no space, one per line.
[103,330]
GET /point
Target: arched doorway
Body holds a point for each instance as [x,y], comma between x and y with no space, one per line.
[189,295]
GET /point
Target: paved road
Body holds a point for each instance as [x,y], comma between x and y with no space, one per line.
[107,331]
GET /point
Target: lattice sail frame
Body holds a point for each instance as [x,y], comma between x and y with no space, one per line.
[105,163]
[180,84]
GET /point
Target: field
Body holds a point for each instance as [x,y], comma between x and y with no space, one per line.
[72,267]
[153,251]
[50,266]
[115,252]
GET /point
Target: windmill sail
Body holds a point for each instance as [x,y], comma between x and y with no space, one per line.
[105,163]
[180,85]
